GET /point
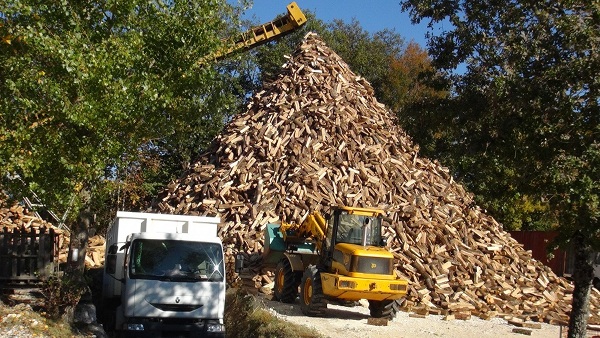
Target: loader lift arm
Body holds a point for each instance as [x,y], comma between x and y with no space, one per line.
[313,227]
[261,34]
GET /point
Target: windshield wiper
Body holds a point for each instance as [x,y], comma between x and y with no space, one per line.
[180,278]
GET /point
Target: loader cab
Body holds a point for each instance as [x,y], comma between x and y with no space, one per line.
[359,226]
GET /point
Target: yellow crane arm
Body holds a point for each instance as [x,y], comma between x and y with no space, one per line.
[264,33]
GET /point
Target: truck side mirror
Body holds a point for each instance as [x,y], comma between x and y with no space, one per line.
[239,263]
[111,259]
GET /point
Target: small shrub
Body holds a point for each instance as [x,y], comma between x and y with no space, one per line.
[245,317]
[61,294]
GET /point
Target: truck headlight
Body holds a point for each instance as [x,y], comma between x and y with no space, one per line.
[135,327]
[210,327]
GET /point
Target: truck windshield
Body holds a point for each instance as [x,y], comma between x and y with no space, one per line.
[351,228]
[176,260]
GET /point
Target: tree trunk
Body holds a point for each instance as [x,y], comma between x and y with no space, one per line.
[78,244]
[583,276]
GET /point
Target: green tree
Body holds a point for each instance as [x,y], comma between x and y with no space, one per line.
[88,86]
[523,121]
[406,83]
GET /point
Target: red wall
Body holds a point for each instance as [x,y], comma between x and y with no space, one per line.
[537,241]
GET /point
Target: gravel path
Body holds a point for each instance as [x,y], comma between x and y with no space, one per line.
[351,322]
[18,321]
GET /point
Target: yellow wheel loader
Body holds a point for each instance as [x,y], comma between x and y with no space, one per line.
[343,259]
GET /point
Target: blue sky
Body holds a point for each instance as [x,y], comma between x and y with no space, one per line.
[374,15]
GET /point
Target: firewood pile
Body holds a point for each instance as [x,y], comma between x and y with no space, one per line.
[94,256]
[18,217]
[317,137]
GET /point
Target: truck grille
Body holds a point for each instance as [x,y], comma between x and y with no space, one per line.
[372,265]
[177,307]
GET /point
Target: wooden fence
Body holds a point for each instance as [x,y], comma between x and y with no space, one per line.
[27,255]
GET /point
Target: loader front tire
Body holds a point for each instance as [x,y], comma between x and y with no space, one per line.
[384,308]
[286,282]
[312,300]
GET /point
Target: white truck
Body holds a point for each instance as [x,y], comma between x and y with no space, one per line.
[164,275]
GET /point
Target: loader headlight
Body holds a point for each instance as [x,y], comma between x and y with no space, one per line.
[398,287]
[346,284]
[135,327]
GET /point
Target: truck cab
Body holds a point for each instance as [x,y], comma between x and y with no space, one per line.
[164,275]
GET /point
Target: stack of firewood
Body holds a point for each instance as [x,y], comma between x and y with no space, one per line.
[18,217]
[94,255]
[317,137]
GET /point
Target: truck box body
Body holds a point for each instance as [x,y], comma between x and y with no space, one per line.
[165,273]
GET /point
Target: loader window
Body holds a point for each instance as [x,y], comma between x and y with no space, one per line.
[352,227]
[176,260]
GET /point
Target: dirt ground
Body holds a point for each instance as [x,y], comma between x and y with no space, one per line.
[351,322]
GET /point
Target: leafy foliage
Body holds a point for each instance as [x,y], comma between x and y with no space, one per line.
[406,85]
[529,92]
[61,294]
[89,86]
[577,201]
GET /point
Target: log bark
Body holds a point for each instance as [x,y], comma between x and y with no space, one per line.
[583,277]
[79,244]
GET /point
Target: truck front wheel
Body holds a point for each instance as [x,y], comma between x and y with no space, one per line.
[312,300]
[286,282]
[384,308]
[108,315]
